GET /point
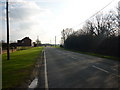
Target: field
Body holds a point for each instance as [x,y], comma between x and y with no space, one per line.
[18,69]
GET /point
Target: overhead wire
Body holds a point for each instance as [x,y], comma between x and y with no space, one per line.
[95,13]
[92,15]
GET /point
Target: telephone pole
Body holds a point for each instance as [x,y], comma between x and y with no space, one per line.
[7,18]
[55,41]
[63,36]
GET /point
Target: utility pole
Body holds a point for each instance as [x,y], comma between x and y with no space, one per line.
[37,40]
[63,37]
[55,41]
[7,18]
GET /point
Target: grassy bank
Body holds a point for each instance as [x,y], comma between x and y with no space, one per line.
[93,54]
[18,69]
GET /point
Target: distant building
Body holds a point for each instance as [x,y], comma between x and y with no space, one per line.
[13,45]
[24,42]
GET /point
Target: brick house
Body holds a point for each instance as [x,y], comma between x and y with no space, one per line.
[24,42]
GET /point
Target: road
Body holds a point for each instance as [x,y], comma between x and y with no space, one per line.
[66,69]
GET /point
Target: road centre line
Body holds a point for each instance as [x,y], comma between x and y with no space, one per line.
[74,58]
[46,79]
[101,69]
[105,71]
[116,75]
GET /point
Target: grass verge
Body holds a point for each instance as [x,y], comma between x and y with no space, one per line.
[22,48]
[18,69]
[94,54]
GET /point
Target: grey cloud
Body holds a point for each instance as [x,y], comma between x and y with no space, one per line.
[26,25]
[22,22]
[21,13]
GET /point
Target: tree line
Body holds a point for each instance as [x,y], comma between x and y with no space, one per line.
[98,35]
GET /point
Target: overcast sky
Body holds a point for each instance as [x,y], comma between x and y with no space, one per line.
[47,18]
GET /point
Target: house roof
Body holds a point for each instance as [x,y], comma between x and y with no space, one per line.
[26,38]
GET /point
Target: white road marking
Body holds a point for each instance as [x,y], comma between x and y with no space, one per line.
[33,84]
[105,71]
[100,69]
[46,79]
[74,58]
[117,75]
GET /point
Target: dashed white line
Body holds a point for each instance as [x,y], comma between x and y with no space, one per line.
[73,57]
[116,75]
[46,79]
[100,69]
[105,71]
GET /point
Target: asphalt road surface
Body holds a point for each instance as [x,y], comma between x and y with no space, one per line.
[67,69]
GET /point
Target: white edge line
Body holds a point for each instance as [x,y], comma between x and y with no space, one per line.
[46,79]
[100,69]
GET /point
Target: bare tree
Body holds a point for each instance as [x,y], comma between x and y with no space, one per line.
[38,42]
[66,33]
[118,17]
[89,28]
[105,25]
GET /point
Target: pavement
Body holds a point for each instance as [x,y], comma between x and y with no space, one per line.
[66,69]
